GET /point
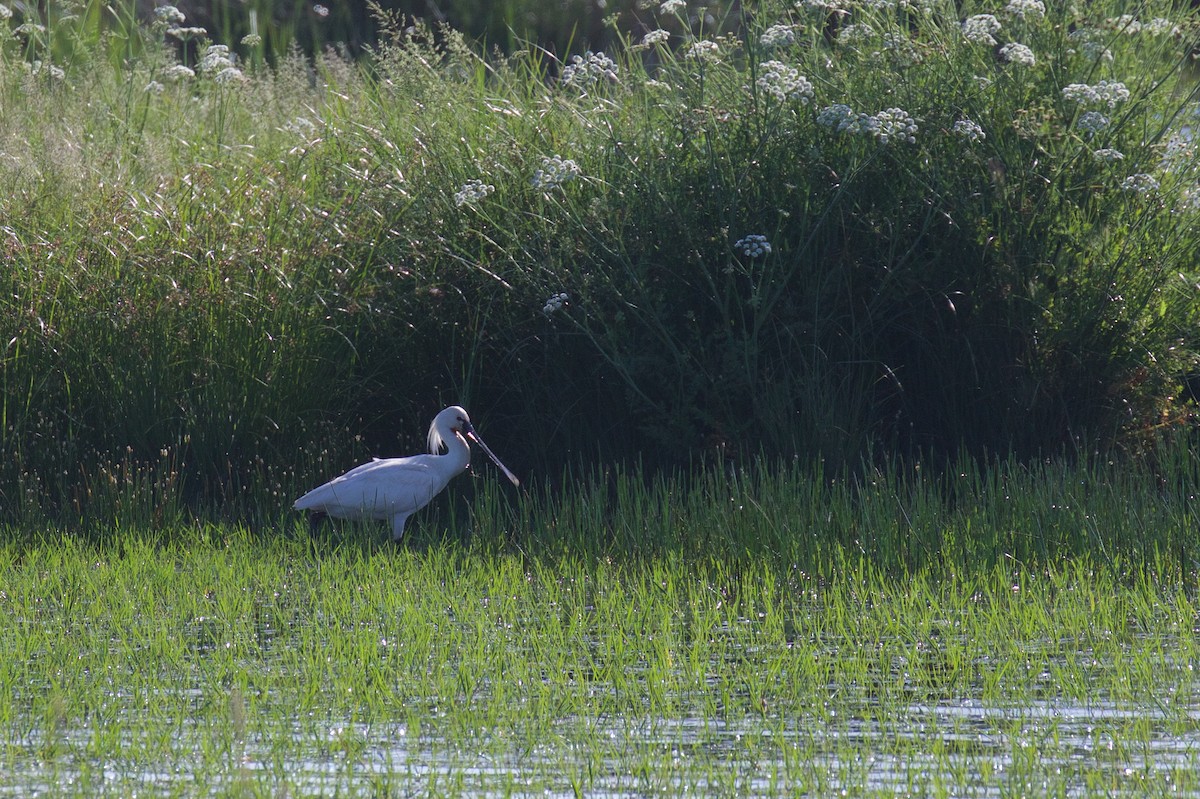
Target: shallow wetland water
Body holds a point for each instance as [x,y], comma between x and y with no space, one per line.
[245,669]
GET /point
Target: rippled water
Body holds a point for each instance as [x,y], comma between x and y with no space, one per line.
[949,745]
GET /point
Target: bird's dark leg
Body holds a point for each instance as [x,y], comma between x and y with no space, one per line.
[314,520]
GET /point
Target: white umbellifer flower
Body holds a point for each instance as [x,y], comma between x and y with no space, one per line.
[229,75]
[777,36]
[555,303]
[671,6]
[659,36]
[178,72]
[1089,42]
[753,246]
[584,71]
[1016,53]
[891,123]
[1141,183]
[187,34]
[555,172]
[855,34]
[1112,93]
[472,192]
[704,50]
[216,58]
[823,6]
[1161,27]
[170,14]
[1080,93]
[5,13]
[885,126]
[784,82]
[1025,9]
[839,116]
[979,29]
[899,48]
[29,29]
[1092,122]
[154,87]
[251,40]
[1126,23]
[1107,155]
[969,130]
[1105,92]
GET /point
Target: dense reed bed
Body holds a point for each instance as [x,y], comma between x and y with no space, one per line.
[904,227]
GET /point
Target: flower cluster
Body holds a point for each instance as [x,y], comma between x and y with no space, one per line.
[472,192]
[1025,9]
[885,126]
[1015,53]
[170,15]
[186,34]
[704,50]
[1161,27]
[839,116]
[1102,93]
[1090,43]
[1131,25]
[672,6]
[969,130]
[1141,183]
[900,50]
[555,303]
[753,246]
[777,36]
[216,58]
[1107,155]
[784,82]
[658,36]
[584,71]
[892,123]
[979,29]
[855,34]
[1092,122]
[177,72]
[555,172]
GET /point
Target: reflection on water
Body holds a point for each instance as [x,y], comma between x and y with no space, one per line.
[946,741]
[955,745]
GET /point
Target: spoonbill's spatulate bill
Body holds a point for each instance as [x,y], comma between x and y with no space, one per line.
[395,488]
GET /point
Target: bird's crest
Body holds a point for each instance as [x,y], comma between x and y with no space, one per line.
[436,444]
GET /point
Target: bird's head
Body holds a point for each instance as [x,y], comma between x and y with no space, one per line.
[453,421]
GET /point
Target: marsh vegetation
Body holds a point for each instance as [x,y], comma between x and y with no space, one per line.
[847,352]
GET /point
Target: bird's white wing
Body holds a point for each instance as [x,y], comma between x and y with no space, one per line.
[379,489]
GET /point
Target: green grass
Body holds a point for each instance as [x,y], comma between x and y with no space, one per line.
[234,666]
[1005,631]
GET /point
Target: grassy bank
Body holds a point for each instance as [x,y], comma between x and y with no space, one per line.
[831,232]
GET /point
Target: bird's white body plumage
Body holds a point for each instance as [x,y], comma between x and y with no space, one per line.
[395,488]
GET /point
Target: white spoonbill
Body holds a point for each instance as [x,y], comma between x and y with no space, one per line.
[395,488]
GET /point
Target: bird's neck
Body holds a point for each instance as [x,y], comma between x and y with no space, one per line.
[458,452]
